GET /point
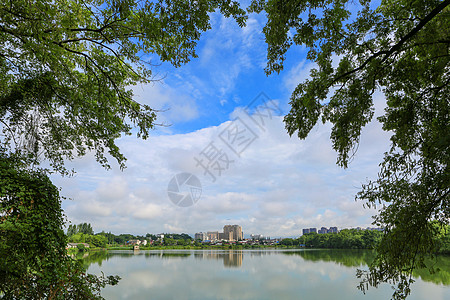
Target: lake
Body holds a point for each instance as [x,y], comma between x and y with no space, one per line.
[252,274]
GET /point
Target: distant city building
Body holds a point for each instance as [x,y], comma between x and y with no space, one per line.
[233,231]
[75,245]
[226,236]
[333,230]
[323,230]
[213,235]
[202,236]
[257,237]
[230,233]
[133,242]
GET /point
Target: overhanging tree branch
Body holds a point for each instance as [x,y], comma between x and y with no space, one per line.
[397,47]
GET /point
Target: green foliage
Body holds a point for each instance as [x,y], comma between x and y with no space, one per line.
[66,68]
[98,241]
[85,228]
[347,257]
[176,236]
[81,248]
[96,257]
[34,262]
[358,258]
[78,238]
[441,267]
[109,237]
[151,236]
[400,48]
[441,238]
[287,242]
[123,238]
[345,239]
[169,242]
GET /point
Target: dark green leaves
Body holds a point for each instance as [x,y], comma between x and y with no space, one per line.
[34,262]
[402,49]
[67,68]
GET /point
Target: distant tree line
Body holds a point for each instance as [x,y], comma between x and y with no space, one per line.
[85,228]
[441,238]
[345,239]
[83,233]
[175,236]
[364,239]
[96,240]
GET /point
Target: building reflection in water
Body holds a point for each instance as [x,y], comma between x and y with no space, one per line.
[230,258]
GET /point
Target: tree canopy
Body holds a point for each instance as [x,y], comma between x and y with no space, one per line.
[66,68]
[84,228]
[398,47]
[66,72]
[34,262]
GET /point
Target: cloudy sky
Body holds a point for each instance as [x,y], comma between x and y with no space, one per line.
[222,108]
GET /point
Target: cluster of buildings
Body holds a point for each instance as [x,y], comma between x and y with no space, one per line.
[333,230]
[370,228]
[230,233]
[258,237]
[137,242]
[321,230]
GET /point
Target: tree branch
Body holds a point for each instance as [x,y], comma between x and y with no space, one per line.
[398,46]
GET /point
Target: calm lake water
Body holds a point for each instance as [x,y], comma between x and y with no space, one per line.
[251,274]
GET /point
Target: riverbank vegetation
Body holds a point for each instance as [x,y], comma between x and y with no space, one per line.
[370,239]
[344,239]
[67,68]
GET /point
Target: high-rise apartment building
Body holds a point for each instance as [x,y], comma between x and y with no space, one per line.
[202,236]
[333,230]
[213,235]
[323,230]
[309,230]
[233,231]
[227,236]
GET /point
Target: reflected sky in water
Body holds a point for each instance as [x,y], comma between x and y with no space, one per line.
[251,274]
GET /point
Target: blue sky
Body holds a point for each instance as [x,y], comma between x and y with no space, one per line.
[275,185]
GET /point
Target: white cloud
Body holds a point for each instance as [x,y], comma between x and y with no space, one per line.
[298,74]
[175,106]
[228,52]
[278,186]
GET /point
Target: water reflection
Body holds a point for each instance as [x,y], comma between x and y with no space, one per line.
[264,274]
[348,258]
[363,258]
[231,258]
[235,258]
[93,257]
